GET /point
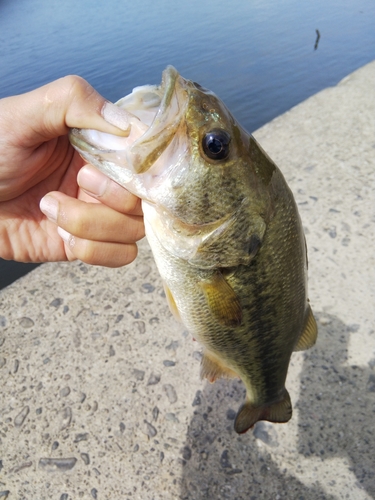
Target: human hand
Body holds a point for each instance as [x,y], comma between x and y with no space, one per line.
[94,220]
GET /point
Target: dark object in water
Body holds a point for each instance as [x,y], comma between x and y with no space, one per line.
[317,39]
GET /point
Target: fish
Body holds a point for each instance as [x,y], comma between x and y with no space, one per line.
[225,233]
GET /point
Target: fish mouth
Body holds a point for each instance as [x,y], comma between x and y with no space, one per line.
[155,115]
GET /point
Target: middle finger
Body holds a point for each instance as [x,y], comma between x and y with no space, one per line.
[99,186]
[92,221]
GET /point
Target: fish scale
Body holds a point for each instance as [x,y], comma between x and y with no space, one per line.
[225,233]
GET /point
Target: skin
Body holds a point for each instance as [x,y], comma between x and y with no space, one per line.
[38,163]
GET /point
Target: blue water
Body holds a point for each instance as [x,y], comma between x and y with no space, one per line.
[257,55]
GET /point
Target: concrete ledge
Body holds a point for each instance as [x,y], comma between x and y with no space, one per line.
[100,392]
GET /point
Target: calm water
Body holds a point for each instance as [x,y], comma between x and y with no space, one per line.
[258,56]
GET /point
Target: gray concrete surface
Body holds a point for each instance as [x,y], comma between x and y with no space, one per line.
[100,391]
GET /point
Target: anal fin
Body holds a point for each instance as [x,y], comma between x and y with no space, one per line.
[222,300]
[249,414]
[309,334]
[212,368]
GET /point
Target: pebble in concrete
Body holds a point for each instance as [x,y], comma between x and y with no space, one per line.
[20,418]
[57,464]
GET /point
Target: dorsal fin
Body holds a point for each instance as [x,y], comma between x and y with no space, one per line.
[309,334]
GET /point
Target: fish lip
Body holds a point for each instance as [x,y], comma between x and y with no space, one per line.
[135,153]
[168,82]
[82,145]
[146,149]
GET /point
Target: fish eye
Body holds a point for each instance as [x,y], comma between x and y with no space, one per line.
[216,144]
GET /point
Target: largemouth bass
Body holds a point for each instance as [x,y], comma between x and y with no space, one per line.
[225,233]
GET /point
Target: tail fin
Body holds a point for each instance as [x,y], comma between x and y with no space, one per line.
[248,414]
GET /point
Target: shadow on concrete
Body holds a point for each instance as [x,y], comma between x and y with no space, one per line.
[336,416]
[342,424]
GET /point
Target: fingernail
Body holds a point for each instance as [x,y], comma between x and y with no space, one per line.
[92,181]
[50,207]
[116,116]
[67,237]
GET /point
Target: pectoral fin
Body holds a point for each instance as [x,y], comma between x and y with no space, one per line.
[212,368]
[309,334]
[222,300]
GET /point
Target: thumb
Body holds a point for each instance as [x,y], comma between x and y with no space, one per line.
[69,102]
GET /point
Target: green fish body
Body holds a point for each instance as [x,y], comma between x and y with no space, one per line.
[225,233]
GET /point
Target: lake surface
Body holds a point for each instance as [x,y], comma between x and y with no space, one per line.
[259,57]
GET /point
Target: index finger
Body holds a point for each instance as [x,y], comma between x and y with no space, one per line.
[50,111]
